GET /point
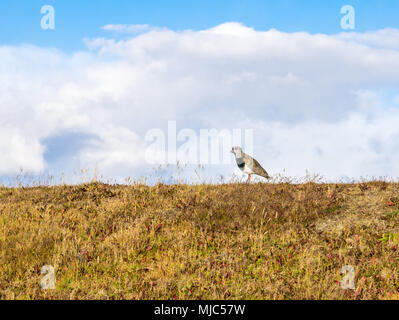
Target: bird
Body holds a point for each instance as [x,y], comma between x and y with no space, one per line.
[248,165]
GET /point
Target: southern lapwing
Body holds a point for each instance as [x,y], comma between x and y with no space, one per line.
[248,164]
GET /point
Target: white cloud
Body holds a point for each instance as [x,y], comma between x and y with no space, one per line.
[19,152]
[131,28]
[115,147]
[313,100]
[387,38]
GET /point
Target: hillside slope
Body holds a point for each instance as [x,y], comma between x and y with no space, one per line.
[231,241]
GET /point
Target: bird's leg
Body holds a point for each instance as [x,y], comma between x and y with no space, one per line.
[249,178]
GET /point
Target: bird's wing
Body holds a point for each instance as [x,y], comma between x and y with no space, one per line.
[249,161]
[255,166]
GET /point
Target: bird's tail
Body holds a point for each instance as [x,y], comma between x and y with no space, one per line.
[266,175]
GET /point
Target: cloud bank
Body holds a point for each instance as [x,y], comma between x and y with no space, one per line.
[316,102]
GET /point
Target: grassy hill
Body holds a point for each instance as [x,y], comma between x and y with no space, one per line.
[230,241]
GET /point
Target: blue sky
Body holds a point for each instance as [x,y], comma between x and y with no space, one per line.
[316,97]
[75,20]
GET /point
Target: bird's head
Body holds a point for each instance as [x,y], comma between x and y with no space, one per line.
[237,151]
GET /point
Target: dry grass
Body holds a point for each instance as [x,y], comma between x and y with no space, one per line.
[230,241]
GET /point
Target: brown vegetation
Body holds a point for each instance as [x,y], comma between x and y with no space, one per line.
[229,241]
